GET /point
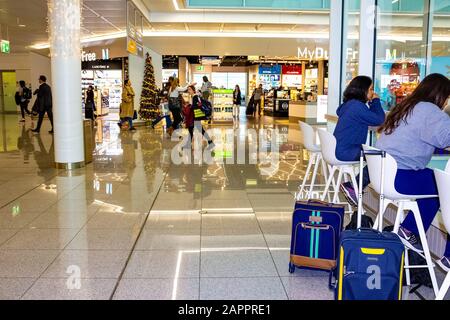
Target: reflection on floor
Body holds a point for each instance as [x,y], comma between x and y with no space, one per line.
[133,225]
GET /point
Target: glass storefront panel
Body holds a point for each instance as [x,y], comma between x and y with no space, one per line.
[262,4]
[351,21]
[400,50]
[440,62]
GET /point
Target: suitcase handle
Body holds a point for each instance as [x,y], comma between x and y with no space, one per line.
[320,202]
[314,226]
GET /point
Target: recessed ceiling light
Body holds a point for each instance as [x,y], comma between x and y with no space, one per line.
[22,25]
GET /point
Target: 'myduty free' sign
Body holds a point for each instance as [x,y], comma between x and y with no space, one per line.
[316,54]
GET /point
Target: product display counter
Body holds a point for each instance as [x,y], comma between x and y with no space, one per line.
[222,105]
[310,112]
[276,103]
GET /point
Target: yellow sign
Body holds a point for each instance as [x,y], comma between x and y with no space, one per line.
[131,47]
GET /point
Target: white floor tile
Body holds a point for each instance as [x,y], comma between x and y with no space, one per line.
[158,289]
[242,289]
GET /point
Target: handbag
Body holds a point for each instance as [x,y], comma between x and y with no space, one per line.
[203,109]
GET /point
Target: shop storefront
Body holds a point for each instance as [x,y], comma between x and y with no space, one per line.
[106,76]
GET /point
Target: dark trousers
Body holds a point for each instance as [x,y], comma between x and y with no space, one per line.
[177,118]
[366,179]
[41,118]
[421,182]
[24,108]
[175,108]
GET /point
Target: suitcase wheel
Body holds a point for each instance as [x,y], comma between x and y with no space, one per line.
[291,268]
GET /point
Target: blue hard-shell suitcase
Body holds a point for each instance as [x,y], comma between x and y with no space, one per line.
[370,266]
[370,263]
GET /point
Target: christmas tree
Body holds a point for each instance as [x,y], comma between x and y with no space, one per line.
[149,104]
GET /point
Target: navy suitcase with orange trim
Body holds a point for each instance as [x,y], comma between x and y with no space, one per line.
[316,230]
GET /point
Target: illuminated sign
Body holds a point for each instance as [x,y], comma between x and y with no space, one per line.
[318,53]
[5,47]
[90,56]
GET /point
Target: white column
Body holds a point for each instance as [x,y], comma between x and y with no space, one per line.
[336,56]
[65,50]
[427,34]
[367,37]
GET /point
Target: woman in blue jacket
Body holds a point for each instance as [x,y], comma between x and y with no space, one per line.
[361,110]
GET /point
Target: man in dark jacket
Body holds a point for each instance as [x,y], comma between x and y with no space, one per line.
[45,103]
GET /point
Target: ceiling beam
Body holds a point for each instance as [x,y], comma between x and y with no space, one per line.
[102,17]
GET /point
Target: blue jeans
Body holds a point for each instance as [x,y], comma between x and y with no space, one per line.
[160,118]
[421,182]
[129,120]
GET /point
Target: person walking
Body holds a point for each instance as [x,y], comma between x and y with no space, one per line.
[237,98]
[190,122]
[175,104]
[24,99]
[257,94]
[89,104]
[127,106]
[206,88]
[45,103]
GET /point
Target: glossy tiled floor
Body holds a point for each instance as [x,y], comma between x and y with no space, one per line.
[132,225]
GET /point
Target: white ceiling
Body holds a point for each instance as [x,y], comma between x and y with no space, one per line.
[109,16]
[33,14]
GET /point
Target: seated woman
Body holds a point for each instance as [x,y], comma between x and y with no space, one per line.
[411,133]
[361,109]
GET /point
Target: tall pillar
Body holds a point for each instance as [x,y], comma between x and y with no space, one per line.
[367,37]
[65,50]
[337,59]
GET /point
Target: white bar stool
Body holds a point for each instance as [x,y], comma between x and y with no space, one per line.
[443,184]
[345,169]
[315,158]
[404,203]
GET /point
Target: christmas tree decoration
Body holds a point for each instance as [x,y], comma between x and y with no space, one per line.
[149,104]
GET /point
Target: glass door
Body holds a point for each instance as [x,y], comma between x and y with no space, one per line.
[9,88]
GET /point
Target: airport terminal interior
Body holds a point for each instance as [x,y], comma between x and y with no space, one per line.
[90,209]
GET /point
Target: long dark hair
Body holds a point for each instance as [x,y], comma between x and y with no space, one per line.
[435,88]
[237,88]
[358,89]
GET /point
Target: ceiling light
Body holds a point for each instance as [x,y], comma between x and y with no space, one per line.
[21,25]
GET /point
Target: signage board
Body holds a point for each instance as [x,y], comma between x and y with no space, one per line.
[294,70]
[135,39]
[322,106]
[270,70]
[102,65]
[167,73]
[5,46]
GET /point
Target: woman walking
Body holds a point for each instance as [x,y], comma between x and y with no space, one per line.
[89,104]
[127,106]
[175,105]
[237,98]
